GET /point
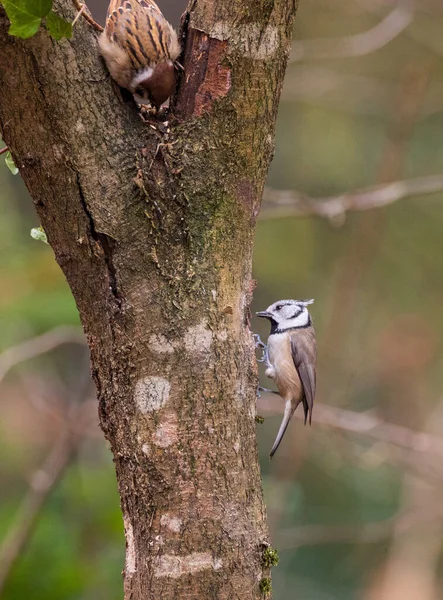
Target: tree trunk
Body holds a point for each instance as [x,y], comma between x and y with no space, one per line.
[153,226]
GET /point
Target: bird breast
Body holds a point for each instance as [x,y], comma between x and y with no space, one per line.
[285,374]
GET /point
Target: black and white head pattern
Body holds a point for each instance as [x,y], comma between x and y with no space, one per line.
[287,314]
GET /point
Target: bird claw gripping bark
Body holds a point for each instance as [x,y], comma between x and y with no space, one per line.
[263,347]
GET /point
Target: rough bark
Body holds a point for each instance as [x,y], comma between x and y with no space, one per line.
[153,226]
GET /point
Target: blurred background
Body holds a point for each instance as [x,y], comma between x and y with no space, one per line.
[353,217]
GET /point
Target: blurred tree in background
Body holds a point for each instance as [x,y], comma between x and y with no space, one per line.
[354,502]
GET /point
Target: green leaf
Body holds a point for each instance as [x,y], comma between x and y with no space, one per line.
[38,233]
[58,27]
[10,163]
[26,15]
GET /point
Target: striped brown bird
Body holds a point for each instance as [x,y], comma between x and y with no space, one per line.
[140,48]
[291,358]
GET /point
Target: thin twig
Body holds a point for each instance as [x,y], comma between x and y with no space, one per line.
[79,14]
[283,203]
[39,345]
[81,10]
[355,45]
[4,150]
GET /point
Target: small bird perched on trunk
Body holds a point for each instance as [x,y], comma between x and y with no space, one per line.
[140,48]
[291,358]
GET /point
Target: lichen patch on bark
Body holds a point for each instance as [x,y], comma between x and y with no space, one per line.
[252,41]
[198,338]
[160,344]
[130,563]
[171,522]
[151,393]
[166,433]
[171,565]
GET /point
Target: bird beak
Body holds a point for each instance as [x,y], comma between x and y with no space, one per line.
[264,313]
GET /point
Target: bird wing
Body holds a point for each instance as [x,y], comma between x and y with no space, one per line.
[139,27]
[304,355]
[146,4]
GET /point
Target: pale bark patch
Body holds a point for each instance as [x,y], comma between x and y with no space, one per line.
[198,339]
[130,547]
[151,393]
[159,344]
[222,336]
[146,449]
[166,433]
[171,522]
[252,40]
[171,565]
[80,126]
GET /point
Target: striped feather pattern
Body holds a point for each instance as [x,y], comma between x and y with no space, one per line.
[139,28]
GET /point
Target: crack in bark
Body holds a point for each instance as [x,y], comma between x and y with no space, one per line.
[106,243]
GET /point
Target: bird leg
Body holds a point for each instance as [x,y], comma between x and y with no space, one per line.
[258,342]
[264,348]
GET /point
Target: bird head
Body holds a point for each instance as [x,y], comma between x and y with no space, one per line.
[287,314]
[154,85]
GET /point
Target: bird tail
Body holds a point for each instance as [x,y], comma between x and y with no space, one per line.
[289,411]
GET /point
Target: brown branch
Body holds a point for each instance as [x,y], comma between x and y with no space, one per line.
[355,45]
[284,203]
[39,345]
[4,150]
[81,8]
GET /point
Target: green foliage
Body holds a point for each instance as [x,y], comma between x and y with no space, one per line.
[10,163]
[260,420]
[26,17]
[270,557]
[38,233]
[58,27]
[265,586]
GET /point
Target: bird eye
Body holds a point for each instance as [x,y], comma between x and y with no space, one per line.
[279,307]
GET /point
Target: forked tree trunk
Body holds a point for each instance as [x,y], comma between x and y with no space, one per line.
[153,226]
